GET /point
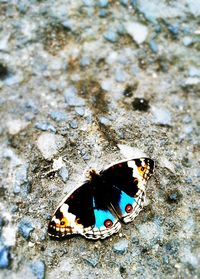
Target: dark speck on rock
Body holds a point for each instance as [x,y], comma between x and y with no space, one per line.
[128,92]
[25,228]
[38,269]
[174,196]
[4,257]
[172,247]
[3,71]
[140,104]
[135,240]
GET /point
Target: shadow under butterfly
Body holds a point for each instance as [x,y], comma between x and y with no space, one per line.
[97,208]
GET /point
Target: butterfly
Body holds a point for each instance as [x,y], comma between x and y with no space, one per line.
[96,209]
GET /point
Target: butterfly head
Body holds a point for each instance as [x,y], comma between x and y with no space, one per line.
[63,223]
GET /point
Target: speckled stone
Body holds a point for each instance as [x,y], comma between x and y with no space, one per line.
[121,246]
[25,228]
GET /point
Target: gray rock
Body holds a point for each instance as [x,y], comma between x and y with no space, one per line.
[58,116]
[49,144]
[43,126]
[21,183]
[161,116]
[120,75]
[153,45]
[73,124]
[111,36]
[103,3]
[71,97]
[187,41]
[80,111]
[121,246]
[38,268]
[104,120]
[64,173]
[25,228]
[4,257]
[150,231]
[137,31]
[194,72]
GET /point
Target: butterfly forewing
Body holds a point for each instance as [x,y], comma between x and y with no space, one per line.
[129,179]
[94,209]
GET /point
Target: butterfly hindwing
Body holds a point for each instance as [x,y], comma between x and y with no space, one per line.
[81,214]
[129,179]
[95,208]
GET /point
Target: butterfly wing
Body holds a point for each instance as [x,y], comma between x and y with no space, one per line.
[80,214]
[128,179]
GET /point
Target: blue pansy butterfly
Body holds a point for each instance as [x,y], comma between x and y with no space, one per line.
[96,208]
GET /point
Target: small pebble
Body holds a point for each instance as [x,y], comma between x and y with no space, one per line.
[38,269]
[4,257]
[71,97]
[174,29]
[80,111]
[73,124]
[187,119]
[93,261]
[88,3]
[15,126]
[161,116]
[111,36]
[64,173]
[105,121]
[150,231]
[43,126]
[85,61]
[58,116]
[194,72]
[120,75]
[103,3]
[137,31]
[102,13]
[187,41]
[21,183]
[121,246]
[25,228]
[153,45]
[49,144]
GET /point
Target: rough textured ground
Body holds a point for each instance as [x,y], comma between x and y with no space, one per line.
[77,78]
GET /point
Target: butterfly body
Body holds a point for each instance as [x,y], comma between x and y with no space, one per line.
[96,208]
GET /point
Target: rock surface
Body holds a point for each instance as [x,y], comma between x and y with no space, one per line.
[80,83]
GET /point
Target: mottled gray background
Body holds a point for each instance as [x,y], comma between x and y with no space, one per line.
[77,78]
